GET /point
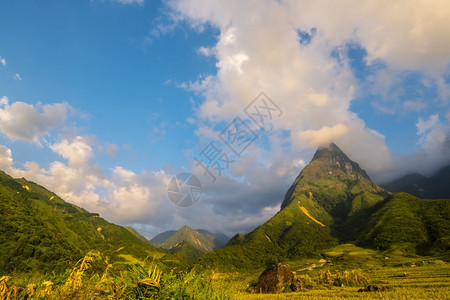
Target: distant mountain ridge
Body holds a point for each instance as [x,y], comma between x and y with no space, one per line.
[201,238]
[334,201]
[189,244]
[436,186]
[162,237]
[331,201]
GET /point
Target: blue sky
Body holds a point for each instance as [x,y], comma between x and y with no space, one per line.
[103,101]
[102,59]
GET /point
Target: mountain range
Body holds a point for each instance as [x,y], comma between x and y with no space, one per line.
[436,186]
[189,244]
[334,201]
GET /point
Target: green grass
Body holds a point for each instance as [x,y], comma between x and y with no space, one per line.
[129,259]
[349,249]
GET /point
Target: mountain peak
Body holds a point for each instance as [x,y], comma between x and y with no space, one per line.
[331,150]
[198,238]
[185,228]
[332,157]
[329,167]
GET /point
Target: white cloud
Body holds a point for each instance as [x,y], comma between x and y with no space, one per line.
[206,51]
[433,152]
[2,61]
[17,77]
[260,51]
[77,152]
[23,121]
[403,35]
[122,197]
[322,136]
[4,101]
[6,159]
[127,197]
[434,136]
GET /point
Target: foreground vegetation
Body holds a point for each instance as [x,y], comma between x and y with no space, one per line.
[143,280]
[41,233]
[347,270]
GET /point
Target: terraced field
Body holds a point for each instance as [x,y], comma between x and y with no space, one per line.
[429,281]
[406,276]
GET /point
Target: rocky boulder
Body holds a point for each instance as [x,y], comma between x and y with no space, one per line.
[275,279]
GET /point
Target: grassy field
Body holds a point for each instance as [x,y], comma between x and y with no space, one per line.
[429,281]
[406,276]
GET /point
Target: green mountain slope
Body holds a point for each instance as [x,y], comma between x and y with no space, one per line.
[137,234]
[329,191]
[332,201]
[41,232]
[338,184]
[187,252]
[290,233]
[423,226]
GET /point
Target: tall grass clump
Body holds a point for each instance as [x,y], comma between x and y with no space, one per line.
[344,278]
[143,280]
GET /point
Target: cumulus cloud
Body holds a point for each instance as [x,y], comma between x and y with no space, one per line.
[263,53]
[322,136]
[403,35]
[123,196]
[2,61]
[126,197]
[295,51]
[432,154]
[77,152]
[23,121]
[6,159]
[435,140]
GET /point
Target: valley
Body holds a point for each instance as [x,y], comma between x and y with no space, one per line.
[339,235]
